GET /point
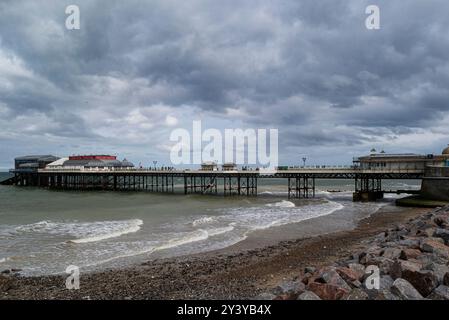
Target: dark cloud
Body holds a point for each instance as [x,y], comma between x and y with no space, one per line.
[309,68]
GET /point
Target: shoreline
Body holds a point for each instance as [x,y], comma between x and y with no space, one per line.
[230,273]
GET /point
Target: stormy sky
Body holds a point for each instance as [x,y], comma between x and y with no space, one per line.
[136,70]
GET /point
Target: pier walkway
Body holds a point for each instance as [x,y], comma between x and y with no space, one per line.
[300,182]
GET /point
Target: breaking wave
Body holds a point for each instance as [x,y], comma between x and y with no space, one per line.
[83,232]
[202,220]
[282,204]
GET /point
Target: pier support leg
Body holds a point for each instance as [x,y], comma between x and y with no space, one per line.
[301,187]
[367,188]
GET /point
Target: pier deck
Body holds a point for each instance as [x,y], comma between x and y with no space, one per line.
[300,181]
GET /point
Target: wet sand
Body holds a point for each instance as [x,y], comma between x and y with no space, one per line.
[241,271]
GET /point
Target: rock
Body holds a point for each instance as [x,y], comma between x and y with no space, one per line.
[446,279]
[384,295]
[5,283]
[383,263]
[428,232]
[402,232]
[424,281]
[441,221]
[400,265]
[306,278]
[443,234]
[370,254]
[411,243]
[435,246]
[358,268]
[348,275]
[391,253]
[438,269]
[385,282]
[407,254]
[331,276]
[290,288]
[327,291]
[286,296]
[311,270]
[265,296]
[399,227]
[355,284]
[381,236]
[440,293]
[356,294]
[404,290]
[350,261]
[308,295]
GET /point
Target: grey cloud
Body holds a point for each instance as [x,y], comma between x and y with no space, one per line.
[308,68]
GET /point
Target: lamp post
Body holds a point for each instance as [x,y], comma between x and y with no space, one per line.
[154,163]
[304,161]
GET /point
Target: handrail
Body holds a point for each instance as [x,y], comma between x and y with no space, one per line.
[292,170]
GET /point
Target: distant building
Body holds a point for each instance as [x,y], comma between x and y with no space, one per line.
[404,161]
[209,166]
[32,163]
[90,162]
[229,166]
[446,153]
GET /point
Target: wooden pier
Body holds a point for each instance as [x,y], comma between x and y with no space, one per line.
[300,183]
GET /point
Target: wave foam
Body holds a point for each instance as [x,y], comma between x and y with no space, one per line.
[188,238]
[202,220]
[3,260]
[259,218]
[84,232]
[282,204]
[130,227]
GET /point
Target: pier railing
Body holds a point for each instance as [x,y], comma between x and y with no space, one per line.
[300,180]
[299,170]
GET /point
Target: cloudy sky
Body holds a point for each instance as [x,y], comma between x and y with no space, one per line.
[136,70]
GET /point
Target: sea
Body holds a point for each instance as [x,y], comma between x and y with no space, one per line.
[43,232]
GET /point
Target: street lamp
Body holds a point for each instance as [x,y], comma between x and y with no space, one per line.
[304,161]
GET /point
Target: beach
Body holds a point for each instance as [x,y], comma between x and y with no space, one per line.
[246,270]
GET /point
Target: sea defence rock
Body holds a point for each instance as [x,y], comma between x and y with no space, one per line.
[406,262]
[308,295]
[440,293]
[404,290]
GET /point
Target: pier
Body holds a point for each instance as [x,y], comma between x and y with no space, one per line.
[106,172]
[300,183]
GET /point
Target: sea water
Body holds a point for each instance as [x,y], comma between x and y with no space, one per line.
[43,231]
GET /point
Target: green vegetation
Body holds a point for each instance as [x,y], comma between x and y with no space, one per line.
[420,202]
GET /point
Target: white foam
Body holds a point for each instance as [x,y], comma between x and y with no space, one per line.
[194,236]
[259,218]
[3,260]
[202,220]
[41,226]
[282,204]
[84,232]
[218,231]
[145,250]
[131,227]
[272,193]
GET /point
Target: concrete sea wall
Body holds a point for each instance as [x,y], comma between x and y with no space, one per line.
[435,188]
